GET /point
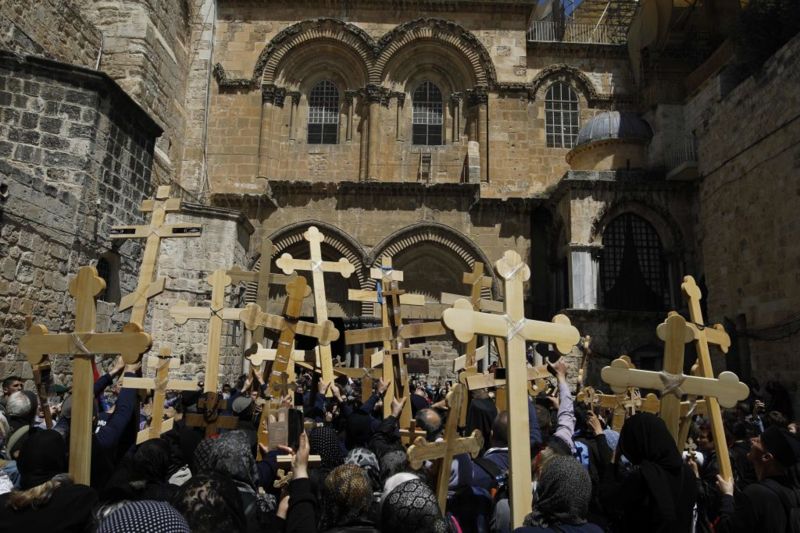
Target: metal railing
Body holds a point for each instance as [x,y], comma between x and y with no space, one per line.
[683,151]
[548,31]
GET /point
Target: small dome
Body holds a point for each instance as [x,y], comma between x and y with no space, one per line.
[614,125]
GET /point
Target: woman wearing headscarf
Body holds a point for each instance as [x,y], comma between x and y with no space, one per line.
[561,501]
[145,515]
[230,455]
[142,476]
[210,502]
[48,500]
[411,506]
[346,501]
[324,441]
[659,494]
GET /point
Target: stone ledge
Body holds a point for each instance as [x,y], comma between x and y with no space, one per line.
[76,74]
[222,213]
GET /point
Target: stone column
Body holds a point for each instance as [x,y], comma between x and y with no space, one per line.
[265,135]
[455,101]
[293,118]
[481,98]
[349,98]
[584,269]
[400,126]
[374,97]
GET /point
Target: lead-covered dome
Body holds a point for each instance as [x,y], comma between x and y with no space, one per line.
[623,125]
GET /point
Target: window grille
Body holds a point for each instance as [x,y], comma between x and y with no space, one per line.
[633,272]
[323,114]
[427,110]
[561,116]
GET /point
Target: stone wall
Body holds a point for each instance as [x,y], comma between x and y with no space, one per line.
[50,28]
[749,200]
[75,157]
[186,264]
[147,50]
[253,135]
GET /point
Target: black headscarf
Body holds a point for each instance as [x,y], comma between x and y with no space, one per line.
[43,456]
[562,494]
[325,442]
[646,442]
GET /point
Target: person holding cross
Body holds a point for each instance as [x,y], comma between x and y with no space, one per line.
[772,504]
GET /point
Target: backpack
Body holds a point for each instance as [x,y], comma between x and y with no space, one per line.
[791,505]
[500,477]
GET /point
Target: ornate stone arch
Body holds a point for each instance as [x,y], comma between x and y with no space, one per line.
[581,81]
[458,244]
[344,34]
[449,33]
[665,225]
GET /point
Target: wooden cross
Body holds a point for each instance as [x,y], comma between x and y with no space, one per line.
[289,325]
[444,450]
[585,346]
[41,389]
[148,285]
[727,389]
[209,405]
[159,385]
[317,267]
[263,279]
[215,314]
[703,335]
[675,335]
[516,329]
[81,345]
[391,298]
[476,282]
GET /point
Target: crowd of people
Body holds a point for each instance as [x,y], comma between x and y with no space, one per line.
[587,477]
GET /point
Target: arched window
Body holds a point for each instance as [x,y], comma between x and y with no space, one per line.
[323,113]
[633,272]
[561,116]
[427,115]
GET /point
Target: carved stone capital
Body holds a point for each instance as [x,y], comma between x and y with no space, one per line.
[295,96]
[455,98]
[374,93]
[478,96]
[280,96]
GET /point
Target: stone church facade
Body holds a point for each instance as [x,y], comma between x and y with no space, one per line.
[440,133]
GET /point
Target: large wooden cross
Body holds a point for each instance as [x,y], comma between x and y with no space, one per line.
[675,335]
[467,362]
[160,384]
[391,298]
[318,267]
[148,285]
[516,329]
[289,325]
[211,402]
[703,336]
[444,450]
[263,278]
[727,389]
[81,345]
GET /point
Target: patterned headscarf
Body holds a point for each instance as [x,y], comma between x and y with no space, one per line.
[231,455]
[367,460]
[211,502]
[411,506]
[325,442]
[145,515]
[346,496]
[562,494]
